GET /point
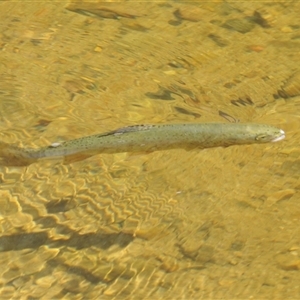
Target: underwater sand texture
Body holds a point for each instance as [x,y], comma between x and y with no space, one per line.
[217,223]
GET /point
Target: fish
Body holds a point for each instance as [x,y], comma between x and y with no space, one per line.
[146,138]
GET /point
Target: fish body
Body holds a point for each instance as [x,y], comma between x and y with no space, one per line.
[154,137]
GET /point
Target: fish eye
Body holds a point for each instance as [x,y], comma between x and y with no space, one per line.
[262,137]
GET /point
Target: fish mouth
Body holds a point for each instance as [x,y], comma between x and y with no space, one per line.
[279,138]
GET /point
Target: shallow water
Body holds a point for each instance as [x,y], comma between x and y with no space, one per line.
[215,223]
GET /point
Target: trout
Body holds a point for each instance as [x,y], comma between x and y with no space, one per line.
[146,138]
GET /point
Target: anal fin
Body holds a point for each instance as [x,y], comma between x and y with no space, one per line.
[69,159]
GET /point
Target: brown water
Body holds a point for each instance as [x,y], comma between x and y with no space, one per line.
[218,223]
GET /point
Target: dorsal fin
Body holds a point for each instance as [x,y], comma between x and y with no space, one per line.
[133,128]
[127,129]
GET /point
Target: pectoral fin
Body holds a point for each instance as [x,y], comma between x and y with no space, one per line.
[76,157]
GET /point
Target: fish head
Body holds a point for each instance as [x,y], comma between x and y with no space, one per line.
[249,133]
[266,133]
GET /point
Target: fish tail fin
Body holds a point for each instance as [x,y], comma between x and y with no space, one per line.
[14,156]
